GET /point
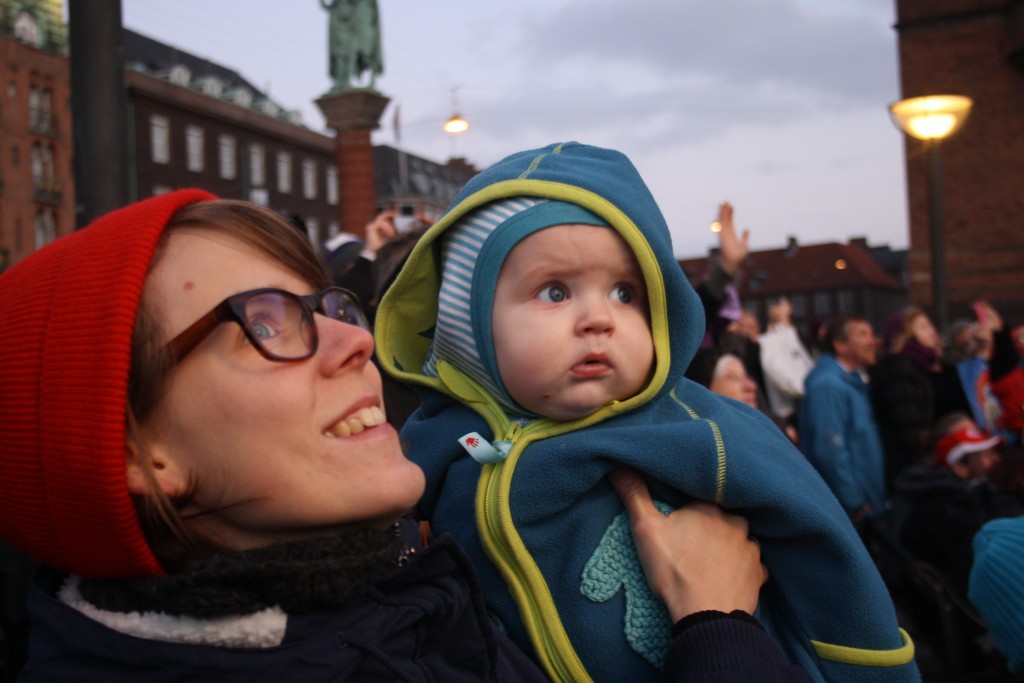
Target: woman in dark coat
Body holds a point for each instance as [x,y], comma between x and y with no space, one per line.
[911,388]
[193,444]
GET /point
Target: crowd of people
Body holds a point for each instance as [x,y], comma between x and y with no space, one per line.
[917,433]
[575,465]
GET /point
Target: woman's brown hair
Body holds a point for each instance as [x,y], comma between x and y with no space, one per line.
[173,540]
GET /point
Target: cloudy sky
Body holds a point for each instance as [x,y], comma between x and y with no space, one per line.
[777,106]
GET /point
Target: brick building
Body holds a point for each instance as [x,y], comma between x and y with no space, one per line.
[37,201]
[973,48]
[196,123]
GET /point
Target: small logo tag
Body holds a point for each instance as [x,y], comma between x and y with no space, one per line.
[480,449]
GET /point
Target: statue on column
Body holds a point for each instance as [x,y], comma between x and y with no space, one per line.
[353,41]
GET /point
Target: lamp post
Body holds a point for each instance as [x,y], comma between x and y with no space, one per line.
[932,119]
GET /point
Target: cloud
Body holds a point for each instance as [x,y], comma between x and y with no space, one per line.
[633,74]
[816,48]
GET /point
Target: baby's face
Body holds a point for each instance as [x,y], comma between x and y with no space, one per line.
[570,321]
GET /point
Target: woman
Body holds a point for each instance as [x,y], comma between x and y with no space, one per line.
[911,389]
[723,372]
[195,444]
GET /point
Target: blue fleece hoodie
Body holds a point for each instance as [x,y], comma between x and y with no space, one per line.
[544,526]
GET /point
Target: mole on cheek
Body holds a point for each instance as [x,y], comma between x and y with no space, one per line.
[190,285]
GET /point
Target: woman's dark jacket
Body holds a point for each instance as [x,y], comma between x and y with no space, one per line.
[908,400]
[423,621]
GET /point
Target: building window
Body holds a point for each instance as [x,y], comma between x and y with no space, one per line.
[37,164]
[257,165]
[332,185]
[845,302]
[313,230]
[332,230]
[26,29]
[309,179]
[799,302]
[821,304]
[284,172]
[40,110]
[180,75]
[33,108]
[160,139]
[227,147]
[46,228]
[268,107]
[160,189]
[194,148]
[211,85]
[46,121]
[240,96]
[259,195]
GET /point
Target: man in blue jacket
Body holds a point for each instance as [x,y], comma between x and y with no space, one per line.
[837,426]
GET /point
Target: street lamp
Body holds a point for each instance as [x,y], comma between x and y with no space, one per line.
[932,119]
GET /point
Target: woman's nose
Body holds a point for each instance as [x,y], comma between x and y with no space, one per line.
[343,346]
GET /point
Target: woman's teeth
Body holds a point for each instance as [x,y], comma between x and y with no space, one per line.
[362,419]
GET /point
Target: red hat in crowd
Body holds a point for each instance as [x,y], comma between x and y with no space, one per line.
[953,447]
[67,314]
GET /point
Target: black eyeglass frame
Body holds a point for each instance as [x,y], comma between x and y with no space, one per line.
[232,309]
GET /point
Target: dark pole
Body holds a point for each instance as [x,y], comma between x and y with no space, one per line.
[99,107]
[938,237]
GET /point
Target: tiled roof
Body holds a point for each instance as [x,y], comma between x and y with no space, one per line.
[804,267]
[159,57]
[430,180]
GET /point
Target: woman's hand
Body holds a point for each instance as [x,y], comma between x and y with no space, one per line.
[697,558]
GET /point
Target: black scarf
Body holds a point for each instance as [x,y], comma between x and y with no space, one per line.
[301,576]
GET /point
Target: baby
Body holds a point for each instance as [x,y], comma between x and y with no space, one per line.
[549,325]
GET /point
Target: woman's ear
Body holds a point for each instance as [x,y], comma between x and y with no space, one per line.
[149,466]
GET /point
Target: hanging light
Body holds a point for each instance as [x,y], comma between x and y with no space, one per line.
[456,124]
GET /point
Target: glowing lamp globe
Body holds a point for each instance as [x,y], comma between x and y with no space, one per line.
[933,117]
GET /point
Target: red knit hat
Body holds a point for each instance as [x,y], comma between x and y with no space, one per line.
[67,314]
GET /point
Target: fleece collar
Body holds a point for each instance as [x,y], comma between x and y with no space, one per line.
[265,628]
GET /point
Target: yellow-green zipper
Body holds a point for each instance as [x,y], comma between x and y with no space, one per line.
[509,554]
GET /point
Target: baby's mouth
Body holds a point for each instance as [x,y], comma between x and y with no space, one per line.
[593,365]
[359,421]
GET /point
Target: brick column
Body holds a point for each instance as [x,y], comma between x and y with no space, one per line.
[353,115]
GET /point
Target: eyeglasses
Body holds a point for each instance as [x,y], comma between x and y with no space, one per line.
[278,323]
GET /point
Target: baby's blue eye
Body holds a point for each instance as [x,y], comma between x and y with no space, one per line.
[552,294]
[621,294]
